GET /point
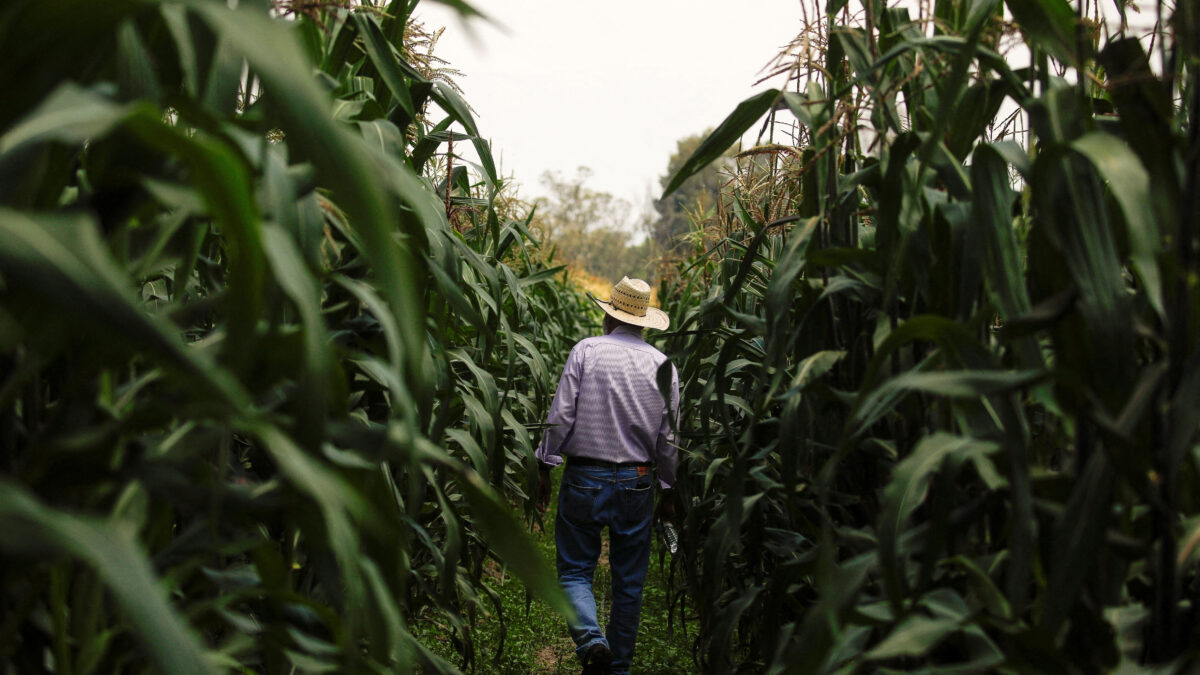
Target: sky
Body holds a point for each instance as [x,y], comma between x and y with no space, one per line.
[559,84]
[611,86]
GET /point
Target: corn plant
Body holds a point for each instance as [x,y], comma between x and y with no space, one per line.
[271,363]
[939,352]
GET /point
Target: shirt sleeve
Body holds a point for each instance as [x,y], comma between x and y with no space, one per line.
[666,451]
[562,411]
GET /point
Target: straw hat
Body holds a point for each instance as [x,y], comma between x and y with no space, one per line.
[630,303]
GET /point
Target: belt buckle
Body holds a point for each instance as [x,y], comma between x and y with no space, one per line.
[643,471]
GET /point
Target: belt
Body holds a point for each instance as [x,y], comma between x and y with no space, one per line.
[588,461]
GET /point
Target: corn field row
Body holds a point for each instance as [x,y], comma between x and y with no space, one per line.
[941,351]
[273,359]
[272,366]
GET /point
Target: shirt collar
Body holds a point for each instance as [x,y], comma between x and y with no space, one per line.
[627,332]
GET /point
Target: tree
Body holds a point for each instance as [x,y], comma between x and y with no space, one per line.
[589,229]
[697,196]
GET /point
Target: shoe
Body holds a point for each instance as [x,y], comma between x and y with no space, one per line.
[597,660]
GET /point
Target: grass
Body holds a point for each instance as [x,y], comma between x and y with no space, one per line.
[537,641]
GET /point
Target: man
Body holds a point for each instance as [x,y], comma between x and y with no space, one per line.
[610,423]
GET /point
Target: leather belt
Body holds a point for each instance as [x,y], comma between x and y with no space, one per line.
[588,461]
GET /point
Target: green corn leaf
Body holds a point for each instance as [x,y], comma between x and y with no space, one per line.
[992,207]
[982,586]
[726,134]
[385,61]
[1186,398]
[220,91]
[907,489]
[33,528]
[383,136]
[1130,184]
[812,368]
[1072,209]
[459,111]
[70,115]
[302,289]
[384,633]
[428,143]
[1078,538]
[341,163]
[1050,25]
[221,176]
[134,71]
[913,637]
[506,537]
[63,261]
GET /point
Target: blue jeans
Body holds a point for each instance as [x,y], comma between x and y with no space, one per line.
[590,499]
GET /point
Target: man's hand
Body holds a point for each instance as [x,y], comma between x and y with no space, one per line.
[664,510]
[543,496]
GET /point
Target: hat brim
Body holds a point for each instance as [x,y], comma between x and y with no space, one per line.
[655,318]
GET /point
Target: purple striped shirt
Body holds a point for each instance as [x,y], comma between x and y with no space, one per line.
[608,406]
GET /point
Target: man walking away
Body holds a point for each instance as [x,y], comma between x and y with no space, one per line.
[610,423]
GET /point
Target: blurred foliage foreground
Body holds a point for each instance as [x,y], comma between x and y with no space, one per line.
[261,404]
[940,352]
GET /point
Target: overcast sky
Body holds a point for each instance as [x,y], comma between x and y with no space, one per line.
[559,84]
[611,86]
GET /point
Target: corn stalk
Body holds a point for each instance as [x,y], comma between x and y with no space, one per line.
[261,406]
[941,399]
